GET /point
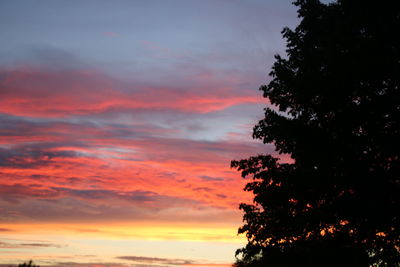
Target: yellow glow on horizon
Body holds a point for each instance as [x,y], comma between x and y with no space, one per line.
[132,231]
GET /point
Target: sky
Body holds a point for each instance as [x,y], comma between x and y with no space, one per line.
[118,122]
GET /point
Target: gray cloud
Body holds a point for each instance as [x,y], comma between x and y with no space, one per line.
[29,157]
[209,178]
[18,245]
[152,260]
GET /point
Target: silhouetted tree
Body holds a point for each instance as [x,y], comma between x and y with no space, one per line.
[29,264]
[336,112]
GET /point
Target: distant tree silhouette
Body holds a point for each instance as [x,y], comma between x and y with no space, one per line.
[336,112]
[29,264]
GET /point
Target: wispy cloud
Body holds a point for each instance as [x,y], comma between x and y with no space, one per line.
[151,261]
[119,160]
[111,34]
[46,93]
[21,244]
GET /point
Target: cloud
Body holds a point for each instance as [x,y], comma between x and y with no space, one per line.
[211,264]
[151,260]
[38,202]
[112,34]
[155,47]
[133,263]
[77,143]
[17,192]
[76,264]
[37,92]
[39,245]
[19,245]
[209,178]
[26,157]
[97,160]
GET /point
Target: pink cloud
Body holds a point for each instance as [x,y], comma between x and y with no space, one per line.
[111,34]
[89,162]
[97,164]
[40,93]
[155,47]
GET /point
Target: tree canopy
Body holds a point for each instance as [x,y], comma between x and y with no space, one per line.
[335,109]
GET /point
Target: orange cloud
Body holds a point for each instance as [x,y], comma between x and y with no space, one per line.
[42,93]
[89,155]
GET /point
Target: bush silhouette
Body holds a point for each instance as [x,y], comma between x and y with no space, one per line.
[28,264]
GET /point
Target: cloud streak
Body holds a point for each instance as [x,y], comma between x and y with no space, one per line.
[19,245]
[119,161]
[39,92]
[150,260]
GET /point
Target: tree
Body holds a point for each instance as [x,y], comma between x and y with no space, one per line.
[29,264]
[335,109]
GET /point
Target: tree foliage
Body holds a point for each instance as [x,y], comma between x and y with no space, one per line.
[336,111]
[28,264]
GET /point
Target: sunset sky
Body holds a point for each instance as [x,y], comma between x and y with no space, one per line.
[118,122]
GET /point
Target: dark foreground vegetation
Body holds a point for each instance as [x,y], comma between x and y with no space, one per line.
[336,111]
[28,264]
